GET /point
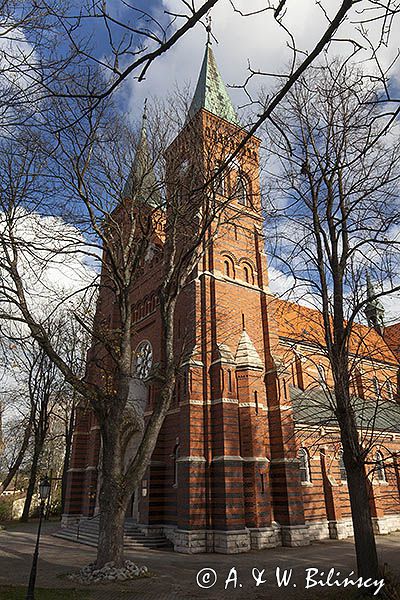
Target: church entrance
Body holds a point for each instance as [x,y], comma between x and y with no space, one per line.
[133,507]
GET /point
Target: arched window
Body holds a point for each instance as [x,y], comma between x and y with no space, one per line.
[248,274]
[241,190]
[229,269]
[380,466]
[304,460]
[342,468]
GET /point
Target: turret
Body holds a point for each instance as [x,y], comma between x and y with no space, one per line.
[141,185]
[374,310]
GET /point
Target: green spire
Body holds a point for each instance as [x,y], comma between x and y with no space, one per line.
[141,184]
[374,310]
[211,93]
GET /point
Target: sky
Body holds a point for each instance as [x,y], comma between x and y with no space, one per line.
[256,41]
[238,42]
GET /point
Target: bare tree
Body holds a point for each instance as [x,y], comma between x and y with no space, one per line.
[339,219]
[162,224]
[14,447]
[43,397]
[82,160]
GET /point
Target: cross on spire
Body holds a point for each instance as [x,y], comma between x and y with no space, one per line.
[209,30]
[211,93]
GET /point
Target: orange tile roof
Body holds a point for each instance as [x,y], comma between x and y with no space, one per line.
[304,324]
[392,338]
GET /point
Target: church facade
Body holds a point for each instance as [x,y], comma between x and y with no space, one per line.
[249,456]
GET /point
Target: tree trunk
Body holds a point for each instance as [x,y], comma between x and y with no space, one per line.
[367,558]
[111,531]
[17,463]
[113,499]
[32,482]
[353,453]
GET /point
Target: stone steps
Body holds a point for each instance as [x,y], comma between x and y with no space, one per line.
[87,532]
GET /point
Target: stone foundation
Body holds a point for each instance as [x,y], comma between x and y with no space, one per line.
[189,542]
[295,535]
[152,530]
[236,542]
[386,524]
[223,542]
[232,542]
[340,530]
[69,520]
[318,530]
[266,537]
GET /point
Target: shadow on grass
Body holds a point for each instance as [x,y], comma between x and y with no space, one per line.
[19,593]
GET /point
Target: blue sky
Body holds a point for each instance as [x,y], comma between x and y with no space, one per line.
[256,40]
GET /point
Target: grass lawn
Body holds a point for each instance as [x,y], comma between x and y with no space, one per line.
[19,593]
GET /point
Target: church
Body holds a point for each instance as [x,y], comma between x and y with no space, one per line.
[249,456]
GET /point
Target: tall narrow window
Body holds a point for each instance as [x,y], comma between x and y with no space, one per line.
[321,374]
[299,372]
[229,269]
[389,389]
[219,181]
[230,387]
[175,456]
[380,466]
[246,274]
[359,384]
[304,460]
[256,402]
[377,389]
[342,468]
[241,190]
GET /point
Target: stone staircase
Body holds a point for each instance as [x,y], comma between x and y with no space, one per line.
[87,532]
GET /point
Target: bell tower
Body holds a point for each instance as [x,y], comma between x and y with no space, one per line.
[225,493]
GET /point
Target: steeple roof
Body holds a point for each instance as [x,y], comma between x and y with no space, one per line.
[247,356]
[374,310]
[141,184]
[211,93]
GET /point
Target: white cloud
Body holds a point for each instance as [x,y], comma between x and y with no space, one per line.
[52,261]
[256,39]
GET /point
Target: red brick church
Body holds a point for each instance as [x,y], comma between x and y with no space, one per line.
[249,455]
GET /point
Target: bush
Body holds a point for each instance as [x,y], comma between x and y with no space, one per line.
[5,509]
